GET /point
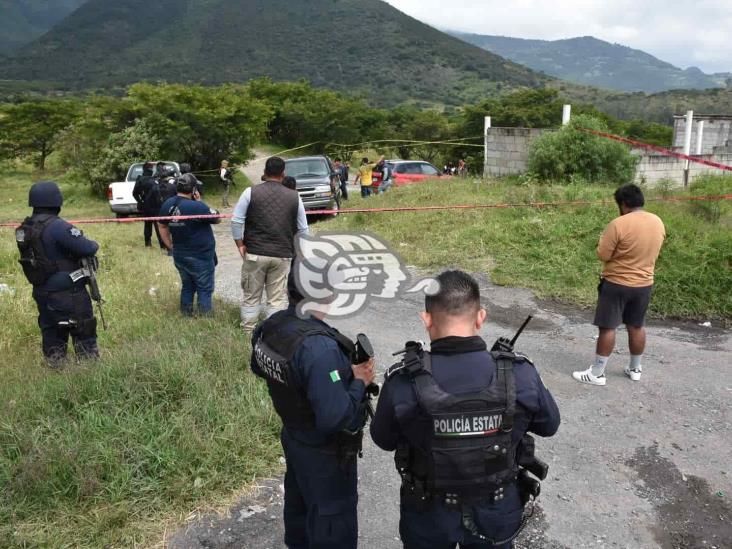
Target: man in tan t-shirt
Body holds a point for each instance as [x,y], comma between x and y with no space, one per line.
[628,248]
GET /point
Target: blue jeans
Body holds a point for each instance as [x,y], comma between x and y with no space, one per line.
[197,277]
[365,191]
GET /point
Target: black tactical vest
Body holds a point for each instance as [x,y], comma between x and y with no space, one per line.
[37,267]
[281,336]
[471,453]
[271,221]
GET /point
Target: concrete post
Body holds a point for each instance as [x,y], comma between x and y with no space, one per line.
[687,143]
[566,114]
[486,127]
[699,137]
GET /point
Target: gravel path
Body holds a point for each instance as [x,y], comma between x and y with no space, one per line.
[634,465]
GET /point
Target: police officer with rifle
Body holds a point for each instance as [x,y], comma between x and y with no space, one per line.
[319,391]
[458,417]
[57,260]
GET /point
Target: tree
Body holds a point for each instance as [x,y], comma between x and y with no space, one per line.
[29,129]
[99,165]
[200,125]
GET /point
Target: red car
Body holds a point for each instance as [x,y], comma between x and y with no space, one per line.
[405,172]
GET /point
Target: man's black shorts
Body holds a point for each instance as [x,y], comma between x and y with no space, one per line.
[617,304]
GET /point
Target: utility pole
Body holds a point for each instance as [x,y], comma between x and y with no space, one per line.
[699,137]
[486,127]
[566,114]
[687,143]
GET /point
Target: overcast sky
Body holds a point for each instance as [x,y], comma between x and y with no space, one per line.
[697,33]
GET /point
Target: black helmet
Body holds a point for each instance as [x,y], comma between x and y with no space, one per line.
[45,194]
[186,183]
[185,168]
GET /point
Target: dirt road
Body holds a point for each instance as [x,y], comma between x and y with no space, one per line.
[634,465]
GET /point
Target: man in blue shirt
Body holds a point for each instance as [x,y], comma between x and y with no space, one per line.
[319,394]
[193,244]
[457,417]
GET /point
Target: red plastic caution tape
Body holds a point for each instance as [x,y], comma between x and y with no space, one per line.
[400,209]
[656,148]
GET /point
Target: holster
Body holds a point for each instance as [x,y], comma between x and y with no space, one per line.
[85,327]
[348,448]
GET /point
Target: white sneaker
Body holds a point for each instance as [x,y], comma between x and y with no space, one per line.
[585,376]
[635,375]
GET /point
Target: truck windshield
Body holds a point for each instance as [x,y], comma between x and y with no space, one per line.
[136,170]
[306,168]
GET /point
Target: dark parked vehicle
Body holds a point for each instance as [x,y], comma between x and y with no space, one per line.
[317,182]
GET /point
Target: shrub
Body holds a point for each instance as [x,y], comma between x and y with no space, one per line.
[712,185]
[573,155]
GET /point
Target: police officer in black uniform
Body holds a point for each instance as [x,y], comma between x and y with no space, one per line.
[320,396]
[457,417]
[141,191]
[50,254]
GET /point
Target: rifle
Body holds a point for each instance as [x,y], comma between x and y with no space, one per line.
[528,463]
[504,344]
[364,352]
[89,265]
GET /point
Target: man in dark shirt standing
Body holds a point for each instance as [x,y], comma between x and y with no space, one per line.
[193,244]
[140,192]
[264,224]
[457,417]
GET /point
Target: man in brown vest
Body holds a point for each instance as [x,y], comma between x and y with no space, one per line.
[264,224]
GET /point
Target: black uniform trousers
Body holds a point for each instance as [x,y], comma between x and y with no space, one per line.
[435,526]
[148,230]
[320,498]
[62,314]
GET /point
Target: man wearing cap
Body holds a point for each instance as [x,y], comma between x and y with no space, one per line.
[264,224]
[50,253]
[193,244]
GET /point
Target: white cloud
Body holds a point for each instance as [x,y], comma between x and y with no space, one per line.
[678,32]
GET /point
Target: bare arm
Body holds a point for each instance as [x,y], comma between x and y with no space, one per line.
[165,235]
[608,243]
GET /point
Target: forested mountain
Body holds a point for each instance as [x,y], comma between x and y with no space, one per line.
[22,21]
[365,46]
[594,62]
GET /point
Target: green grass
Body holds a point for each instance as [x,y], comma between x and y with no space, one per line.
[170,420]
[552,250]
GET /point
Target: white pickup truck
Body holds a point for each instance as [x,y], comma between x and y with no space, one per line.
[119,194]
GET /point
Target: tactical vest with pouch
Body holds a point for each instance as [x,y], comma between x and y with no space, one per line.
[281,336]
[37,267]
[471,455]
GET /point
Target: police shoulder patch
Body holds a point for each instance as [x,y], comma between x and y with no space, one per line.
[76,233]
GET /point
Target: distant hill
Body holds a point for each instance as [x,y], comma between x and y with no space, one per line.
[594,62]
[365,46]
[22,21]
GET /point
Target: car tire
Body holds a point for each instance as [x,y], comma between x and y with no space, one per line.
[122,216]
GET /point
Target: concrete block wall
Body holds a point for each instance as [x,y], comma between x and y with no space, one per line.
[508,153]
[654,167]
[508,150]
[717,133]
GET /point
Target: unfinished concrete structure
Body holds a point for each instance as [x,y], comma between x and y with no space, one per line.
[716,132]
[507,151]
